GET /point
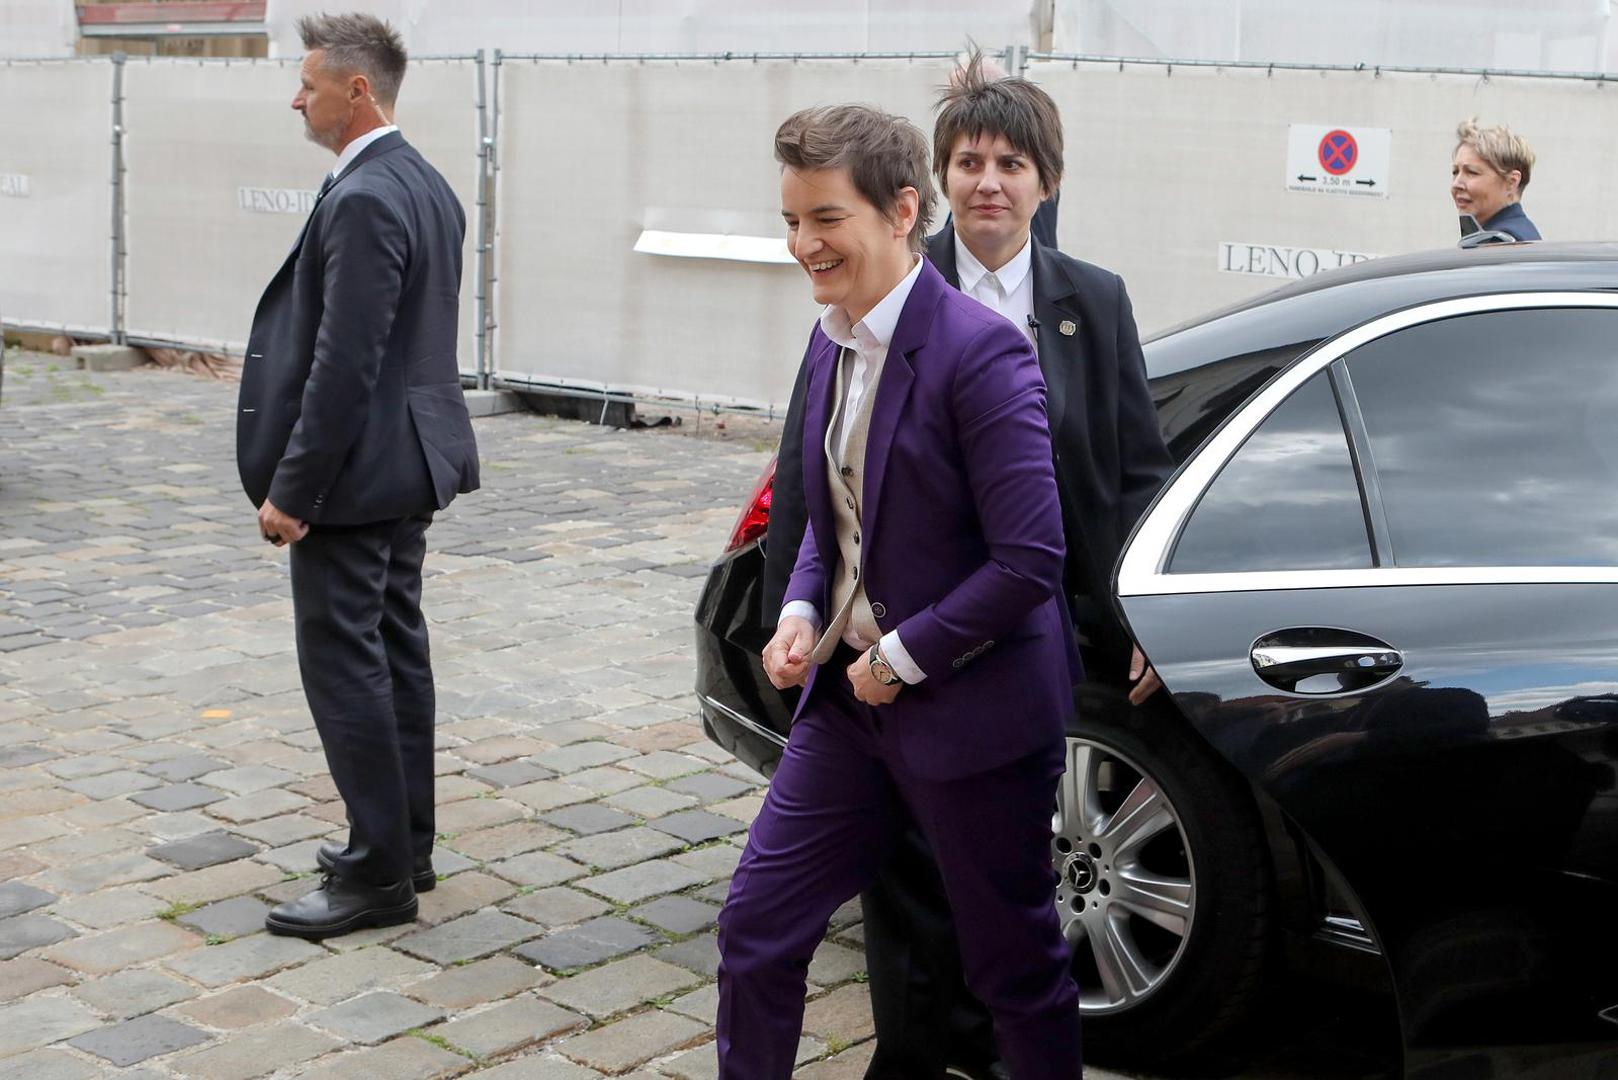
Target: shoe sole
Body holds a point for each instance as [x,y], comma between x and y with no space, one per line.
[421,882]
[374,917]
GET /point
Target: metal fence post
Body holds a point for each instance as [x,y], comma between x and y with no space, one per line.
[483,232]
[491,236]
[116,330]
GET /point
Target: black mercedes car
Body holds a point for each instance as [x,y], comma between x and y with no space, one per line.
[1382,593]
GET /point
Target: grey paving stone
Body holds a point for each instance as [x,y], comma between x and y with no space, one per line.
[698,826]
[664,765]
[17,897]
[700,1004]
[247,1054]
[337,978]
[373,1017]
[133,1041]
[245,958]
[503,841]
[486,980]
[510,1026]
[132,993]
[510,773]
[588,943]
[15,757]
[228,918]
[711,862]
[109,909]
[620,1046]
[112,784]
[623,984]
[209,849]
[635,883]
[650,802]
[186,767]
[258,805]
[467,938]
[582,755]
[39,1021]
[123,947]
[541,1066]
[709,787]
[238,1007]
[405,1058]
[612,850]
[587,819]
[699,954]
[179,797]
[677,914]
[23,932]
[48,1065]
[560,906]
[538,868]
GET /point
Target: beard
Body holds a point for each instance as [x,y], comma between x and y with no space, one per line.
[329,138]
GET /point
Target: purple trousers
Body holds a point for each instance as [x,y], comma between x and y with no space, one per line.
[827,824]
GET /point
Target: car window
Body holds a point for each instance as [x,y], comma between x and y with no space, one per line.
[1287,500]
[1495,437]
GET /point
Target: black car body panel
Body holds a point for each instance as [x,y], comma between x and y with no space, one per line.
[1464,810]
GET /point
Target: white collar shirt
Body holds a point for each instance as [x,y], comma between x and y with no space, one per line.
[868,340]
[1008,290]
[357,147]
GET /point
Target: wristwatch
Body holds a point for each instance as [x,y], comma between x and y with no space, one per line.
[881,670]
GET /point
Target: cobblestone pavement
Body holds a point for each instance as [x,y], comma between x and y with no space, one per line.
[161,783]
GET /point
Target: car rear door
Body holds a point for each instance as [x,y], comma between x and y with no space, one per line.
[1387,592]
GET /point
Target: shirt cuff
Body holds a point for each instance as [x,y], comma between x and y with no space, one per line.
[803,609]
[893,651]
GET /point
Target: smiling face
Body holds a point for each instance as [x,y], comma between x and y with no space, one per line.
[1477,188]
[993,191]
[854,256]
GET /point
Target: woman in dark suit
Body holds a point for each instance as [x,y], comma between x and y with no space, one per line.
[1488,174]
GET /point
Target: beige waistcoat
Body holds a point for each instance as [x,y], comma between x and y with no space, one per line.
[849,605]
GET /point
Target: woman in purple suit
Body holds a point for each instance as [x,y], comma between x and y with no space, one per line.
[923,617]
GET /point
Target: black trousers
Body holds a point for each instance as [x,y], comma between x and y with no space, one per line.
[925,1017]
[362,652]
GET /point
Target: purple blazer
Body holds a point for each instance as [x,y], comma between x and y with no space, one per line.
[962,533]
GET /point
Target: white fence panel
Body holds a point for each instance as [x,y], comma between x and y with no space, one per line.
[1166,165]
[594,153]
[221,179]
[56,195]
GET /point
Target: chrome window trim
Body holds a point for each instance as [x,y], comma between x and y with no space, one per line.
[1143,569]
[751,725]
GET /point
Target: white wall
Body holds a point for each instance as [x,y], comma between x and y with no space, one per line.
[37,28]
[1538,35]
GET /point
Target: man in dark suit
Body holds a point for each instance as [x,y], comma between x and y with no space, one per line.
[352,430]
[997,150]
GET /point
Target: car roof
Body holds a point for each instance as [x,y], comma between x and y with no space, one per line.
[1324,305]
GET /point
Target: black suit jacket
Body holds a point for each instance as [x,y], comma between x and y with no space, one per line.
[351,408]
[1110,455]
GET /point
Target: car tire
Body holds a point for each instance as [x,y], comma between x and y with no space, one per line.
[1211,864]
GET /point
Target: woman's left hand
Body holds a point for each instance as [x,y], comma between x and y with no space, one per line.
[866,688]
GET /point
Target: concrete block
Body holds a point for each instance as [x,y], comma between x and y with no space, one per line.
[108,357]
[493,402]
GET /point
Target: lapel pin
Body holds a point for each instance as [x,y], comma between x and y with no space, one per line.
[1068,327]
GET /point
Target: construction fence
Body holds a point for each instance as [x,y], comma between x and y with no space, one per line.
[624,239]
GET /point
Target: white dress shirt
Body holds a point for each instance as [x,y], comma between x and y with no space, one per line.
[868,341]
[1008,290]
[355,148]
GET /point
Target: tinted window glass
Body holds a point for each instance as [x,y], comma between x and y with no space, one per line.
[1495,437]
[1287,500]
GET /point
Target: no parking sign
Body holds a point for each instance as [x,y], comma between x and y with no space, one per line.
[1339,159]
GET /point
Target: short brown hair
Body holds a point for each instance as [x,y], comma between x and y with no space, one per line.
[883,153]
[1499,147]
[974,104]
[361,44]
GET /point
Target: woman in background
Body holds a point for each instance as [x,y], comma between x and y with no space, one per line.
[1488,175]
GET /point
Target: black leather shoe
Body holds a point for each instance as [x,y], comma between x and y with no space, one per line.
[421,876]
[341,906]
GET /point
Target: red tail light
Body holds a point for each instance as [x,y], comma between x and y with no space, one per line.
[756,514]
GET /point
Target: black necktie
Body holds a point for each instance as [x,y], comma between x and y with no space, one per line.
[325,186]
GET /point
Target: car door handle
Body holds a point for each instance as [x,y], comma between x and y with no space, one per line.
[1321,661]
